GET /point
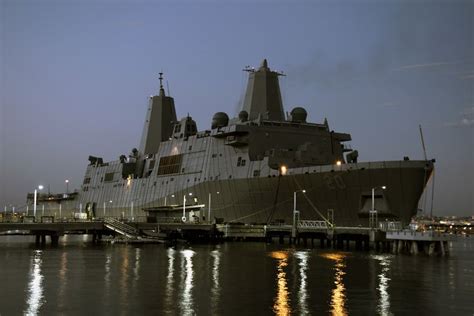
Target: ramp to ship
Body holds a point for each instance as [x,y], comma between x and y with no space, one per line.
[121,228]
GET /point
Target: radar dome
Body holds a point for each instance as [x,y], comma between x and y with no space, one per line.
[220,119]
[243,116]
[299,115]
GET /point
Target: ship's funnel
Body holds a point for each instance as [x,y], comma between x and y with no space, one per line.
[263,95]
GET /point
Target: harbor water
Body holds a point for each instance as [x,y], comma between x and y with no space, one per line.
[239,278]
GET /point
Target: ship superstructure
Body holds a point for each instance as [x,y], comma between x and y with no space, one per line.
[248,168]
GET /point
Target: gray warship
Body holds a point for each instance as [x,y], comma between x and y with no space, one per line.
[258,167]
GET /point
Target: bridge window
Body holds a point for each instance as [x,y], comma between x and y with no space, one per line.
[109,177]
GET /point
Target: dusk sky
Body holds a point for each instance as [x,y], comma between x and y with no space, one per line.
[76,76]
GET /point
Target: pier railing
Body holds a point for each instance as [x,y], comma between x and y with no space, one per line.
[312,224]
[420,235]
[390,226]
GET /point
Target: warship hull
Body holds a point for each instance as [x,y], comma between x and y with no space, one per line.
[340,194]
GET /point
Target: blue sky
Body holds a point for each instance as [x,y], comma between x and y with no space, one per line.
[75,77]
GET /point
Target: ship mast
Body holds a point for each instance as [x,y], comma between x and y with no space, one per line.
[162,90]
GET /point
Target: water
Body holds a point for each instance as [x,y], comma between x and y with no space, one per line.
[229,279]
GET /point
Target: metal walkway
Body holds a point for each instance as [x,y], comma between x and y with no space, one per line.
[121,228]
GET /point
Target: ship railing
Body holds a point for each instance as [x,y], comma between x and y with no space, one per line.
[312,224]
[168,220]
[132,219]
[390,226]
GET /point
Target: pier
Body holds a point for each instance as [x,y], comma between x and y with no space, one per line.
[388,237]
[429,242]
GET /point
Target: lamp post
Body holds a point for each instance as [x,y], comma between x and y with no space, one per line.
[209,210]
[295,212]
[373,212]
[67,186]
[131,208]
[184,209]
[40,187]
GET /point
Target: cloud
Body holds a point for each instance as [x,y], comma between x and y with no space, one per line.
[427,65]
[468,111]
[462,123]
[466,119]
[318,69]
[469,76]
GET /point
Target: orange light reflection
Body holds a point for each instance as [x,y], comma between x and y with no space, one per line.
[281,304]
[338,298]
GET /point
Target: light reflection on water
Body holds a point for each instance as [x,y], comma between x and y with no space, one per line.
[124,276]
[136,269]
[216,255]
[62,279]
[35,286]
[187,303]
[281,304]
[79,280]
[384,302]
[303,257]
[108,260]
[338,298]
[169,281]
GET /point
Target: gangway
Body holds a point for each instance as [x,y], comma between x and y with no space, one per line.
[121,228]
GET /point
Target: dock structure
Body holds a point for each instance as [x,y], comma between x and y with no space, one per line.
[305,232]
[388,237]
[120,230]
[429,242]
[54,230]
